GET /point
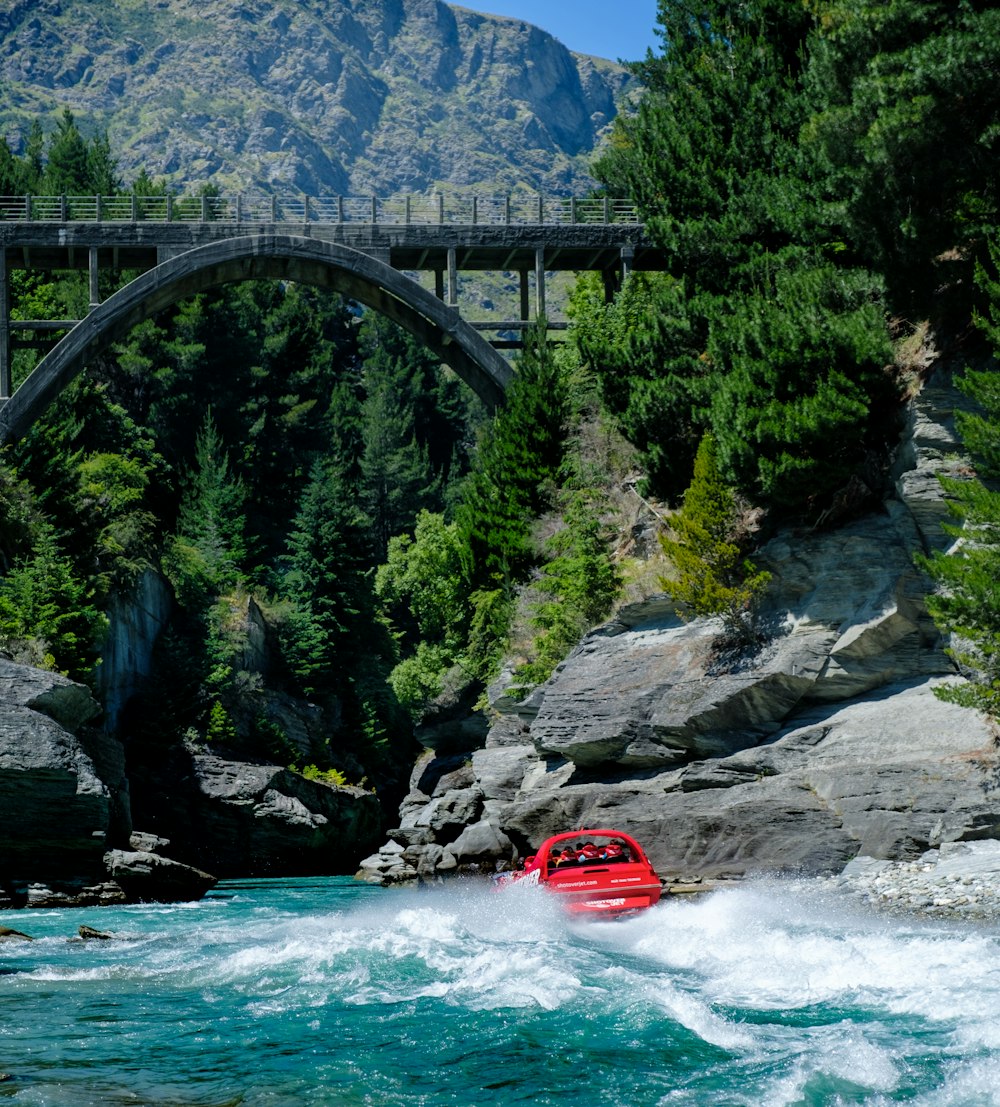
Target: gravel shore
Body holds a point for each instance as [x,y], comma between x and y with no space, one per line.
[960,880]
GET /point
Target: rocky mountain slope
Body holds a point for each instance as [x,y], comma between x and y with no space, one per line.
[325,97]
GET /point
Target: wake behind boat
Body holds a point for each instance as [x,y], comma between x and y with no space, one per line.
[601,872]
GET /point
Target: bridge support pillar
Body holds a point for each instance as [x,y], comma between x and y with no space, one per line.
[540,281]
[628,259]
[4,329]
[452,277]
[525,302]
[95,296]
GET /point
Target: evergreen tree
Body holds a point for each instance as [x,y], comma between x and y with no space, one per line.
[327,580]
[34,156]
[903,136]
[206,555]
[47,613]
[396,475]
[711,575]
[515,470]
[711,155]
[646,349]
[67,171]
[967,603]
[804,393]
[414,423]
[13,174]
[102,167]
[760,339]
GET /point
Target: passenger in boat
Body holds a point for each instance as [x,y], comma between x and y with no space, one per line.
[588,854]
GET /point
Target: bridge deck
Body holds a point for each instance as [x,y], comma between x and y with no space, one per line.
[416,247]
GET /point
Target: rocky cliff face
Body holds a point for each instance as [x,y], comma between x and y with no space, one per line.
[64,804]
[67,806]
[331,97]
[828,744]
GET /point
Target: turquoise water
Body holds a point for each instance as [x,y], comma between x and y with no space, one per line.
[331,992]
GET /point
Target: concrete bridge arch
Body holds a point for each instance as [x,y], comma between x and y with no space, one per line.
[340,268]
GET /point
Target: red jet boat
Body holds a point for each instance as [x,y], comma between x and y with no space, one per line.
[594,872]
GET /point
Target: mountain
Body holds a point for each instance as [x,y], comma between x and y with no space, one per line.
[317,96]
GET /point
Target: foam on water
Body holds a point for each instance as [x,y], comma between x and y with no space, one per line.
[756,995]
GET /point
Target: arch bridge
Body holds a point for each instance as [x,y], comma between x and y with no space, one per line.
[363,248]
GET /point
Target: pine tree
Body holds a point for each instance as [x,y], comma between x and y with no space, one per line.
[395,471]
[802,390]
[515,470]
[327,580]
[711,575]
[102,167]
[710,156]
[13,173]
[967,603]
[205,557]
[902,136]
[48,615]
[67,172]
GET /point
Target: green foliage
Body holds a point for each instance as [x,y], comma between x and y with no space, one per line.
[113,490]
[802,390]
[967,602]
[419,678]
[515,469]
[492,612]
[711,154]
[18,517]
[903,133]
[807,167]
[422,578]
[75,166]
[220,729]
[204,557]
[712,577]
[396,476]
[13,174]
[334,778]
[67,171]
[646,348]
[47,614]
[579,584]
[327,580]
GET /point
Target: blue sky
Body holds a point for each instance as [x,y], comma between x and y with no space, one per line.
[622,29]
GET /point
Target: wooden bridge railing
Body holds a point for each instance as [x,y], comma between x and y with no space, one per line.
[436,208]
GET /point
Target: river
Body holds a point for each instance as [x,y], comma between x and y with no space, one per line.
[331,992]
